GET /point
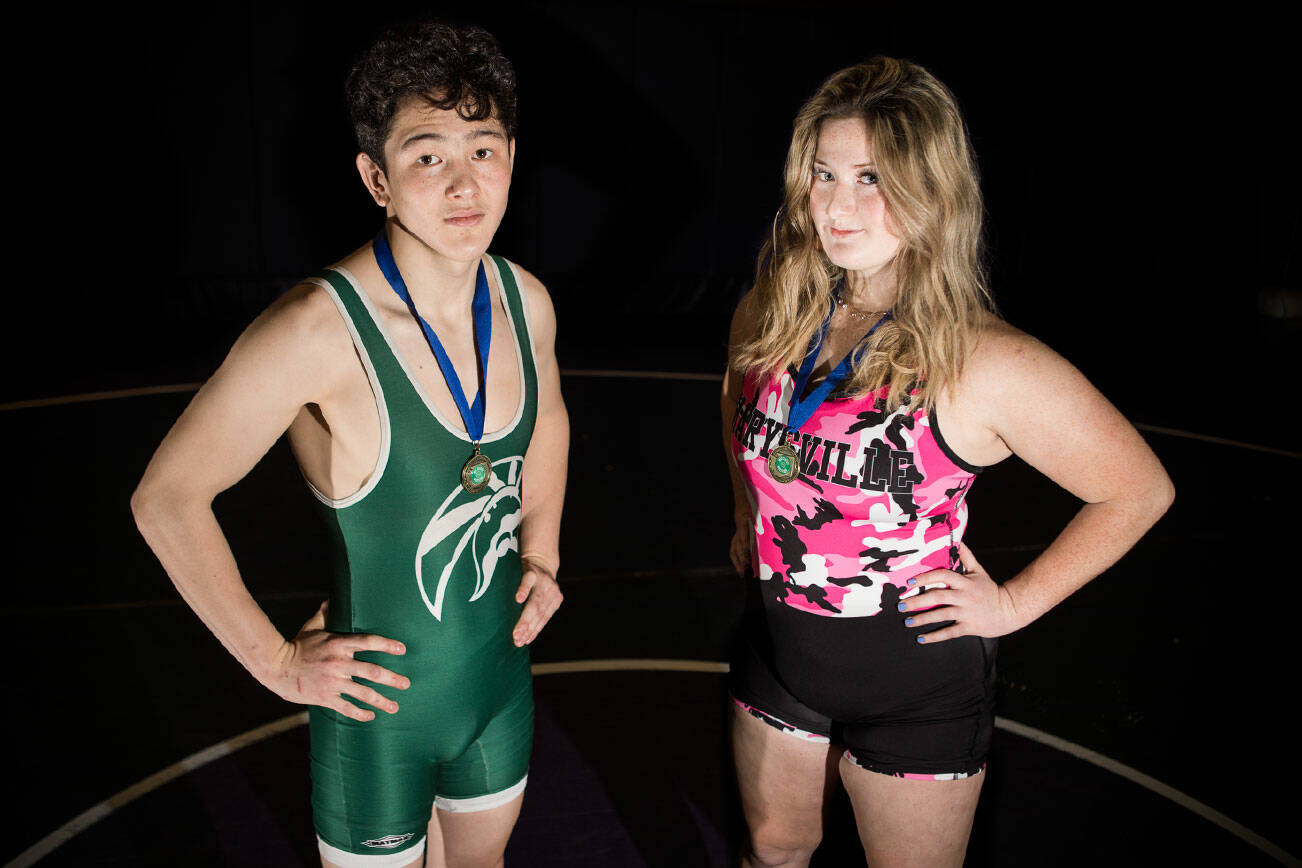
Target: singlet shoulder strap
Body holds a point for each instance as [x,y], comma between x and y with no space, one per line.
[360,320]
[519,315]
[382,369]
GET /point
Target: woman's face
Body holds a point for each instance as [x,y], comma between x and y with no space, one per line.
[846,201]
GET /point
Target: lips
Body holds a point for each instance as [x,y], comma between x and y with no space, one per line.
[842,233]
[464,219]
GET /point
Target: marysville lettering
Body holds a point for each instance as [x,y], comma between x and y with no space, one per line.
[882,468]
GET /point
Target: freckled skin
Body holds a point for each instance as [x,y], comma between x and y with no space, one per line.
[850,214]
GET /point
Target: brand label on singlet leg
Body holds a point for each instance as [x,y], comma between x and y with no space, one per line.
[388,842]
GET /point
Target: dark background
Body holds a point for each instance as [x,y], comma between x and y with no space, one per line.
[171,173]
[1141,181]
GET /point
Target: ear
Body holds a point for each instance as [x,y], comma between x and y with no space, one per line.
[374,179]
[510,152]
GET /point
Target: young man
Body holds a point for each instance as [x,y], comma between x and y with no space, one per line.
[417,669]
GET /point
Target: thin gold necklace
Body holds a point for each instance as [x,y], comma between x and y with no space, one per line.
[864,315]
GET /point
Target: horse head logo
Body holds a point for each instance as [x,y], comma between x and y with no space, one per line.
[481,527]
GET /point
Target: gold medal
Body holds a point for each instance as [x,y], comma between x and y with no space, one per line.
[476,472]
[784,463]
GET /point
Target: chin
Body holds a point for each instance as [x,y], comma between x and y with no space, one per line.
[853,261]
[466,249]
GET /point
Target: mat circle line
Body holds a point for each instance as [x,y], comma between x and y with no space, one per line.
[88,818]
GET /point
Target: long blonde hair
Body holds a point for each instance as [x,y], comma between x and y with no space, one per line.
[929,180]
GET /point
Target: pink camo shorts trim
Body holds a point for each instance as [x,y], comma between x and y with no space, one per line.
[782,725]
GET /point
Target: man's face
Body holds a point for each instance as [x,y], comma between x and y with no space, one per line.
[447,178]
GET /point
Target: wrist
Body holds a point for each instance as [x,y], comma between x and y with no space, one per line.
[270,670]
[539,561]
[1017,613]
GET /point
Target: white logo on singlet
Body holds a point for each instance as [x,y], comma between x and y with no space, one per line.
[496,509]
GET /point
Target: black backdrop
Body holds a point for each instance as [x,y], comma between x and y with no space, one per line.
[171,172]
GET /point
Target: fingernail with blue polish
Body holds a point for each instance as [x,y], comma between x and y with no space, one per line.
[902,605]
[922,639]
[908,622]
[912,582]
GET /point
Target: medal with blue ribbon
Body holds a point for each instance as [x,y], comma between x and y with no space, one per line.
[784,459]
[478,470]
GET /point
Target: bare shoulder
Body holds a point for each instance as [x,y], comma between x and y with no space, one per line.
[1008,361]
[303,319]
[300,336]
[1016,394]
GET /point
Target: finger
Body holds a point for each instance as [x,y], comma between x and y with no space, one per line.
[542,604]
[527,581]
[951,632]
[953,580]
[532,623]
[524,628]
[370,642]
[317,621]
[933,616]
[967,559]
[735,556]
[369,695]
[347,709]
[930,579]
[380,675]
[936,595]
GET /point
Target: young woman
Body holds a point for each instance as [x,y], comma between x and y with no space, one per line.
[869,383]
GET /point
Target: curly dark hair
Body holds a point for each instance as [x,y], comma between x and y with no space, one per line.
[449,66]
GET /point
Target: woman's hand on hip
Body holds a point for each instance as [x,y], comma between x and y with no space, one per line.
[971,599]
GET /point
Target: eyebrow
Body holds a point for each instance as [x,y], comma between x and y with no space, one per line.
[440,137]
[818,162]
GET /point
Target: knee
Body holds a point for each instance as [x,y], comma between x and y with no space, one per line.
[773,845]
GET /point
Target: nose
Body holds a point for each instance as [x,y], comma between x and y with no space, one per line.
[461,182]
[841,202]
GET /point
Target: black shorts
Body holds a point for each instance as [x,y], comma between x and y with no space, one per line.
[900,707]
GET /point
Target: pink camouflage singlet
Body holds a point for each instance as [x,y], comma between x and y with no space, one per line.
[880,498]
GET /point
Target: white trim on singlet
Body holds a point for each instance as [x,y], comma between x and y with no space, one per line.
[524,306]
[481,803]
[378,859]
[454,428]
[382,460]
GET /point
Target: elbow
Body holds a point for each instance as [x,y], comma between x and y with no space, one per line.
[153,503]
[1167,494]
[145,506]
[1161,494]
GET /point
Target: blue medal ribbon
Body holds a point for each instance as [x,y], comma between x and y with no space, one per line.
[802,408]
[472,415]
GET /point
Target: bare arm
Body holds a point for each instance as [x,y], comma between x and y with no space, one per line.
[545,466]
[282,362]
[1032,402]
[743,323]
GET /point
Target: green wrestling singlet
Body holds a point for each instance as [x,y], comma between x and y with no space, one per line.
[420,559]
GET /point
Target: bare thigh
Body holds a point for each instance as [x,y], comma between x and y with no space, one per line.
[475,839]
[784,782]
[907,823]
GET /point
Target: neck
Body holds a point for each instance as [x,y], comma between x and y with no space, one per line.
[869,291]
[439,286]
